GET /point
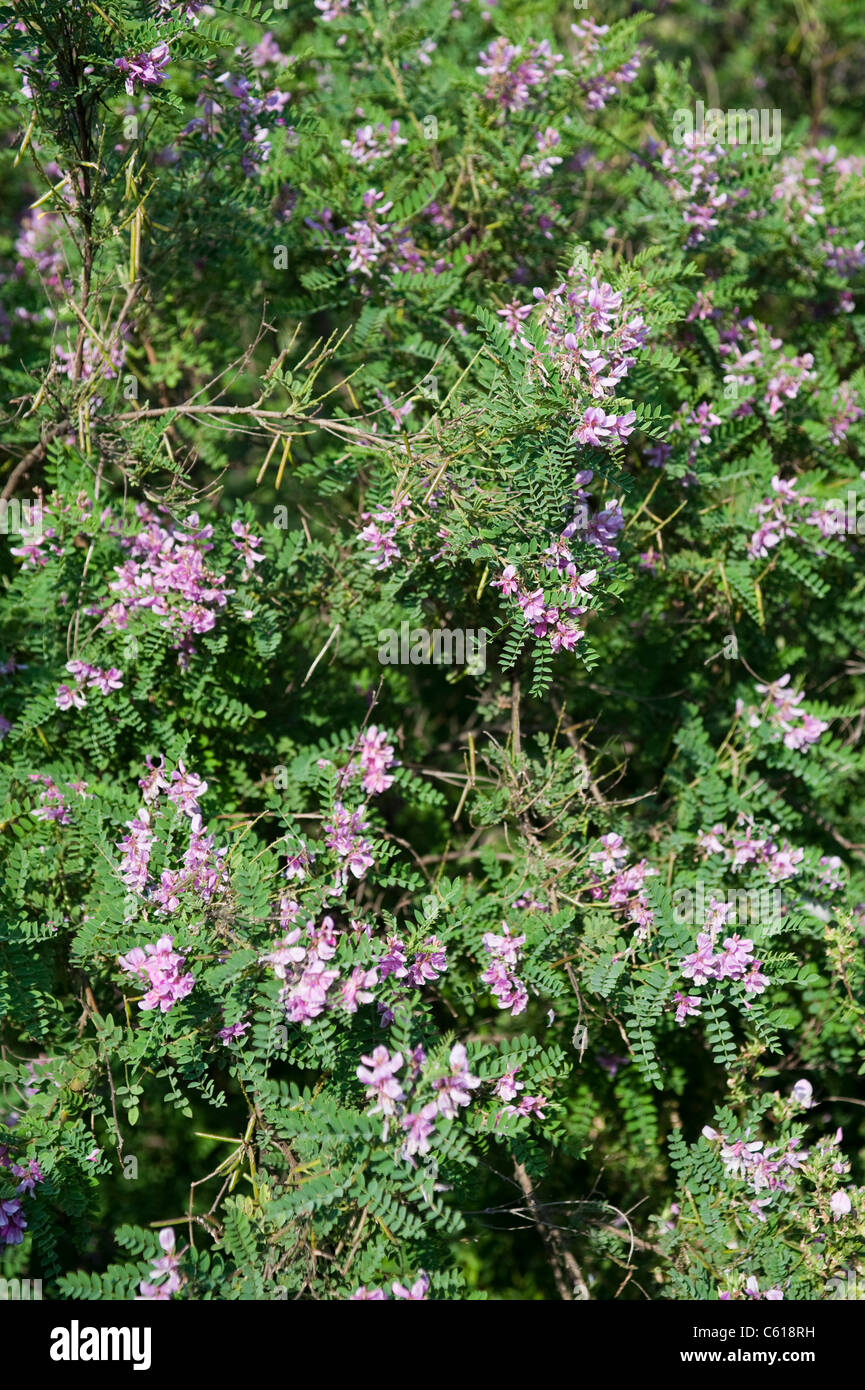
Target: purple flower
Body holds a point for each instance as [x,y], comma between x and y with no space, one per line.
[12,1221]
[505,986]
[737,956]
[233,1032]
[429,963]
[147,68]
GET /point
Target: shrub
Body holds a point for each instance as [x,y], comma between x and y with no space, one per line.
[432,757]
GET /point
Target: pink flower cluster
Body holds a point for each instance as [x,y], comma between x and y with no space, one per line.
[332,9]
[250,105]
[29,1173]
[52,802]
[734,961]
[203,870]
[507,1088]
[345,836]
[39,243]
[591,332]
[161,966]
[694,179]
[147,69]
[187,9]
[309,977]
[752,1290]
[97,362]
[555,621]
[800,185]
[601,430]
[695,425]
[500,975]
[451,1090]
[510,77]
[540,164]
[13,1222]
[245,543]
[38,540]
[427,964]
[366,237]
[380,532]
[416,1294]
[781,711]
[786,509]
[376,757]
[604,86]
[763,1169]
[372,144]
[745,848]
[167,1263]
[750,352]
[166,573]
[86,676]
[621,886]
[846,412]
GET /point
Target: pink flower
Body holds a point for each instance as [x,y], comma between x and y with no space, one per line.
[686,1004]
[378,1074]
[754,981]
[702,964]
[105,681]
[428,963]
[529,1105]
[509,583]
[840,1204]
[160,966]
[358,989]
[737,956]
[418,1291]
[418,1126]
[376,756]
[507,1085]
[455,1089]
[168,1264]
[505,986]
[66,698]
[185,788]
